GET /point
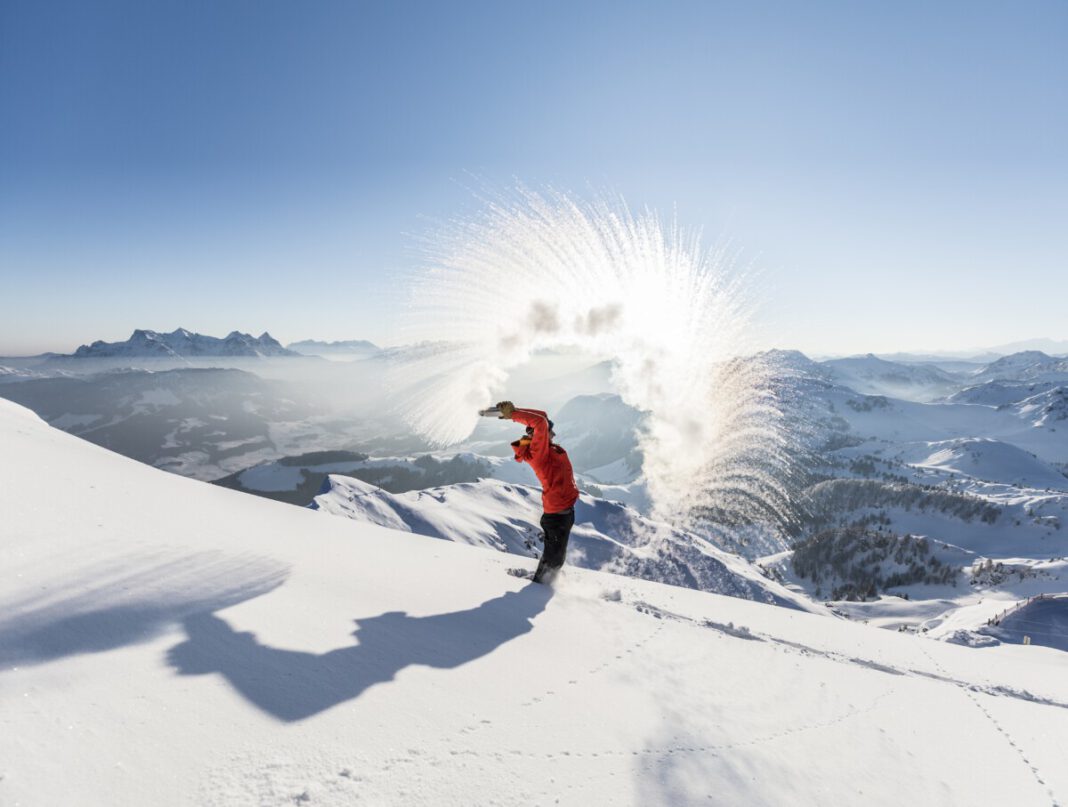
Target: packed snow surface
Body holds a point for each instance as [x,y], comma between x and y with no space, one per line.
[164,641]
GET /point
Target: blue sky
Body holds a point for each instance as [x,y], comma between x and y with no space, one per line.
[897,172]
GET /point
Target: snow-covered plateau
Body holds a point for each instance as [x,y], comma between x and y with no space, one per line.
[164,641]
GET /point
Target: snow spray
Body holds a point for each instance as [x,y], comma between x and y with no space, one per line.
[543,270]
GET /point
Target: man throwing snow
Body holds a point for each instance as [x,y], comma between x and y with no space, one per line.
[558,491]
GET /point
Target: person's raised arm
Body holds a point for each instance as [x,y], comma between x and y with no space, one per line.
[539,422]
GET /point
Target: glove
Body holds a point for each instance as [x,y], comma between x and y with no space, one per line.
[507,409]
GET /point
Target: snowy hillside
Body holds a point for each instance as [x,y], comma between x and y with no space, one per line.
[1030,424]
[874,376]
[1028,365]
[999,393]
[607,535]
[932,535]
[169,642]
[1048,408]
[986,460]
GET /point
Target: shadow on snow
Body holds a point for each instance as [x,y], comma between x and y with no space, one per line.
[128,600]
[292,685]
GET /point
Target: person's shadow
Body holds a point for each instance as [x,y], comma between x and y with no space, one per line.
[293,685]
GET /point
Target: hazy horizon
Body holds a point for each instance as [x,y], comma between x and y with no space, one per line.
[1058,346]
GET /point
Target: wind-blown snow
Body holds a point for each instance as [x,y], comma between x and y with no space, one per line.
[165,641]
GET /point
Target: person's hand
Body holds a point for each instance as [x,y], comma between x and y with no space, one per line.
[507,410]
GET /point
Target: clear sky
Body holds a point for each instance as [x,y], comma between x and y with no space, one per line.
[898,172]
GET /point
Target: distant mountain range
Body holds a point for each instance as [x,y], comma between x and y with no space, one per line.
[348,348]
[1030,365]
[870,374]
[1056,346]
[925,381]
[981,355]
[181,343]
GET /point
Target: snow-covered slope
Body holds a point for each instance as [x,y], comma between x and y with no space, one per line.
[607,535]
[1048,408]
[1030,424]
[164,641]
[874,376]
[999,393]
[987,460]
[1027,365]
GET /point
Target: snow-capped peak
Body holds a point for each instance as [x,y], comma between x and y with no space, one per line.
[182,343]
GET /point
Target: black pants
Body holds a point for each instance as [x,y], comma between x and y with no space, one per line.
[557,530]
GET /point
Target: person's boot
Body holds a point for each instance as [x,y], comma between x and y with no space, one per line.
[548,577]
[541,571]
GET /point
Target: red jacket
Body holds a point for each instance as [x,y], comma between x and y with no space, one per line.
[549,461]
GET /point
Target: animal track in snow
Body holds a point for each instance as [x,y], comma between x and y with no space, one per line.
[970,691]
[742,632]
